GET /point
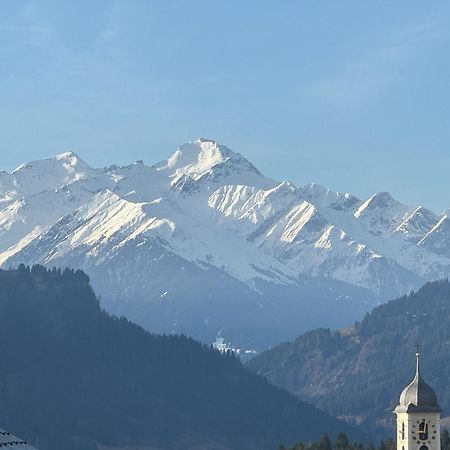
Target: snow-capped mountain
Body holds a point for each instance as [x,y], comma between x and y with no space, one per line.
[203,242]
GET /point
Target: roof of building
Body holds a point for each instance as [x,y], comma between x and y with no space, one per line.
[9,441]
[418,396]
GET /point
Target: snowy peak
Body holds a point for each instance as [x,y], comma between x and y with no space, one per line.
[49,174]
[67,163]
[381,214]
[204,158]
[379,201]
[325,197]
[71,159]
[197,157]
[417,223]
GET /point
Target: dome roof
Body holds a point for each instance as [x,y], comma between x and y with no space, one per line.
[418,396]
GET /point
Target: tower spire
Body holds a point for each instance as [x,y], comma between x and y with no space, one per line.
[417,361]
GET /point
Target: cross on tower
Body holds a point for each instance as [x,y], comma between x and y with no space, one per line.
[418,415]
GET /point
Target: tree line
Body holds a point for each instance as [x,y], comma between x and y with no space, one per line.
[342,443]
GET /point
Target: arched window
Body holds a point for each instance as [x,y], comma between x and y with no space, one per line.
[423,431]
[423,447]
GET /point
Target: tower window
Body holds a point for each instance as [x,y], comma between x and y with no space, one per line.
[423,432]
[423,447]
[403,431]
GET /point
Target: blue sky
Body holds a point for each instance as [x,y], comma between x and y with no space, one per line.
[354,95]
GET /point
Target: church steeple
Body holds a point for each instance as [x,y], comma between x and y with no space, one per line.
[418,415]
[418,396]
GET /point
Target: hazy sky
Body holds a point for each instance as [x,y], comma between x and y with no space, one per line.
[354,95]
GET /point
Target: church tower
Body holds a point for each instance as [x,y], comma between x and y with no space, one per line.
[418,416]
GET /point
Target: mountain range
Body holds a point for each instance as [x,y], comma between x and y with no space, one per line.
[203,243]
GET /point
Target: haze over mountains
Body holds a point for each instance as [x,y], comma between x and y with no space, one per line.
[203,242]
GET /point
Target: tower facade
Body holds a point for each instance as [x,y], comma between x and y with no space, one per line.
[418,416]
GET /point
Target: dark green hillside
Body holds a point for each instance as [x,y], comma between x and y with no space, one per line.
[72,377]
[358,374]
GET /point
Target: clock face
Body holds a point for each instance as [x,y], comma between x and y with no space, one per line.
[423,432]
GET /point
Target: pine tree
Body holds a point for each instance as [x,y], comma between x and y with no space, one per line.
[341,442]
[325,443]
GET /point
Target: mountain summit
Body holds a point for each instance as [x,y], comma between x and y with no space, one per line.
[203,242]
[205,158]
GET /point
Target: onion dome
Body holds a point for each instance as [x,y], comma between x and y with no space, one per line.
[418,396]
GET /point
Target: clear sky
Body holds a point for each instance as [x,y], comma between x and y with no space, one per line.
[354,95]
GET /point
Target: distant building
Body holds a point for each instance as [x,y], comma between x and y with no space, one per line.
[221,345]
[9,441]
[224,347]
[418,416]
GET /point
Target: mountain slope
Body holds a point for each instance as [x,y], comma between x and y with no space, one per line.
[305,255]
[73,377]
[128,249]
[357,374]
[438,238]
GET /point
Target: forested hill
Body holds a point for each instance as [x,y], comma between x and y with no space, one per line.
[72,377]
[359,373]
